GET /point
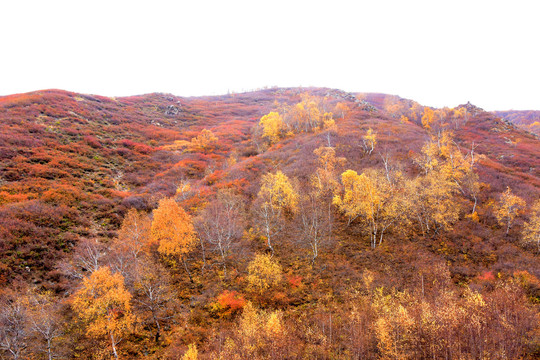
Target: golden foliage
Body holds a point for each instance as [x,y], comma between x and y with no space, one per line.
[276,201]
[325,177]
[134,234]
[369,141]
[431,201]
[508,208]
[192,353]
[258,335]
[394,326]
[531,229]
[272,125]
[310,114]
[264,273]
[341,109]
[104,304]
[428,117]
[371,196]
[441,154]
[204,141]
[278,192]
[172,229]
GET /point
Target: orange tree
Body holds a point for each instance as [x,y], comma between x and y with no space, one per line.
[104,305]
[172,229]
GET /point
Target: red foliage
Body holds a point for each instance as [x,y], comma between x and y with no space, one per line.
[228,303]
[486,276]
[295,281]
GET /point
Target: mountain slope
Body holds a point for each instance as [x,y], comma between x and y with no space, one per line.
[72,166]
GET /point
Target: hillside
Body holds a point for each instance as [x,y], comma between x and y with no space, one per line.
[528,120]
[290,223]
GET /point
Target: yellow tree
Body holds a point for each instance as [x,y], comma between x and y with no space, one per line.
[263,273]
[272,125]
[172,229]
[531,230]
[369,140]
[428,118]
[440,153]
[430,201]
[349,202]
[104,305]
[508,208]
[371,196]
[205,140]
[325,177]
[306,115]
[394,329]
[259,334]
[276,201]
[133,236]
[341,109]
[396,107]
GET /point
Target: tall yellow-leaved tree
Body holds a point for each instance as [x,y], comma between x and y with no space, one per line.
[277,200]
[272,125]
[369,141]
[104,305]
[172,229]
[371,196]
[531,229]
[508,208]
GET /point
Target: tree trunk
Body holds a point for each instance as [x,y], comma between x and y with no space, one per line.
[187,270]
[158,328]
[203,256]
[49,349]
[113,346]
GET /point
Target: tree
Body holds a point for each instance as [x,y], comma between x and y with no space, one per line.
[441,154]
[14,332]
[132,241]
[134,234]
[272,125]
[371,196]
[173,231]
[394,325]
[153,296]
[324,183]
[508,208]
[430,201]
[263,273]
[276,201]
[428,117]
[205,140]
[259,334]
[306,116]
[369,141]
[45,323]
[104,304]
[87,257]
[531,229]
[315,223]
[341,109]
[325,177]
[220,223]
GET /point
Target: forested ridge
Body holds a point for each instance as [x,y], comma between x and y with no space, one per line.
[283,223]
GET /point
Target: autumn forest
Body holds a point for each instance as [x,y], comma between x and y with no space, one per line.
[283,223]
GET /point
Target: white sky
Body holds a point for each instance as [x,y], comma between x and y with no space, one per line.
[439,53]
